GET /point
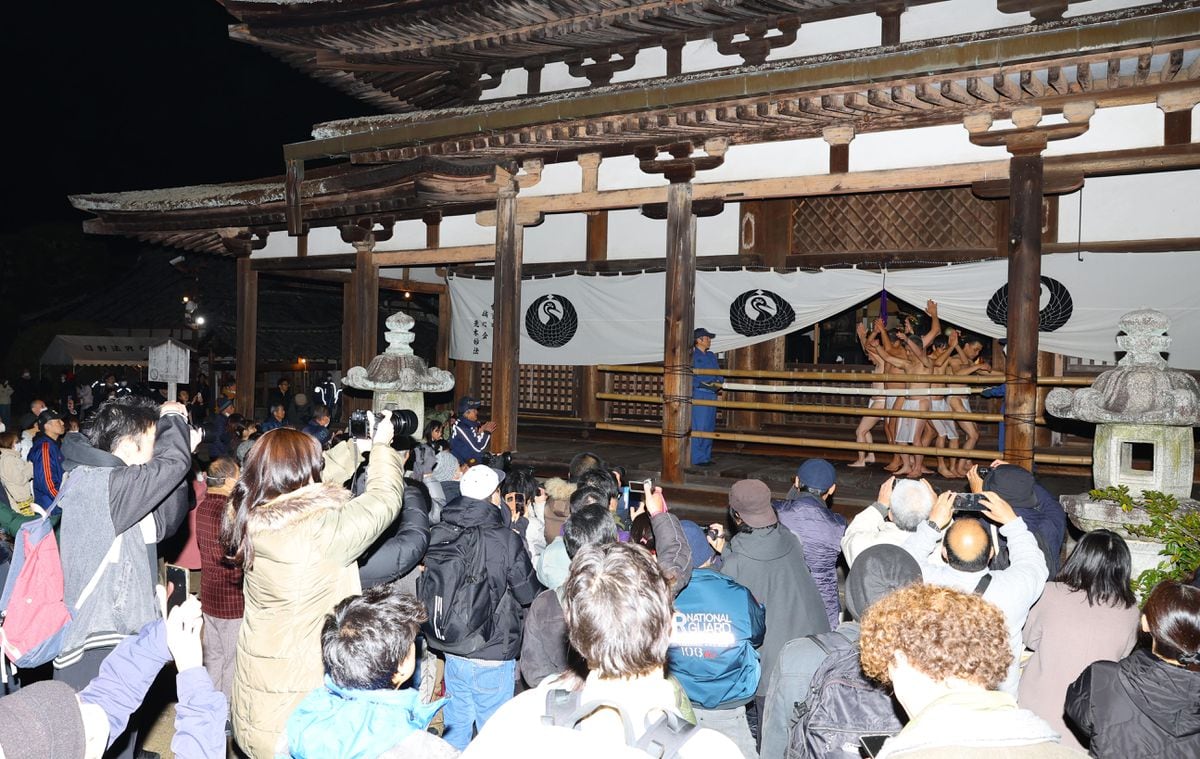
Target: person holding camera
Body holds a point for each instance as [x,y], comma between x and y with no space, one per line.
[968,547]
[469,439]
[297,534]
[704,387]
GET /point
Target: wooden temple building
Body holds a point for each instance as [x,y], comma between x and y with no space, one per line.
[521,138]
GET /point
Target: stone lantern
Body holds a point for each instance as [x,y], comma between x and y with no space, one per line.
[397,378]
[1139,403]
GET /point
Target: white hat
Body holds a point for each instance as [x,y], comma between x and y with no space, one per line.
[480,481]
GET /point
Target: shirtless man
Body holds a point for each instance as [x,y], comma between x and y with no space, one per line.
[942,432]
[966,361]
[872,347]
[913,360]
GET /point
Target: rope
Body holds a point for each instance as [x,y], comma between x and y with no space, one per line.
[833,390]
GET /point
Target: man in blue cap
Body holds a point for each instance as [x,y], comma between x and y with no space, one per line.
[807,514]
[704,388]
[470,439]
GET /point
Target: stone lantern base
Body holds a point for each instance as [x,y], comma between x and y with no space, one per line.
[414,400]
[1173,458]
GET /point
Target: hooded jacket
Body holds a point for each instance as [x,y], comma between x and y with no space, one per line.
[820,531]
[558,505]
[716,627]
[306,546]
[510,573]
[113,504]
[770,563]
[344,722]
[1138,707]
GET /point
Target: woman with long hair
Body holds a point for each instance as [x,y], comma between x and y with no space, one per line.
[1087,614]
[1147,704]
[296,533]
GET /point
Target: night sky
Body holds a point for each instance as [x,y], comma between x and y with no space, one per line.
[142,94]
[128,95]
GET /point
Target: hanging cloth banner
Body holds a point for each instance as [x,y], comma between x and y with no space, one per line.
[584,319]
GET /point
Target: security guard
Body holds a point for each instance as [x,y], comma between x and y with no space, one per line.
[704,387]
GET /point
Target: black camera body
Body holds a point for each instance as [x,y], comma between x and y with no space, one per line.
[969,502]
[983,471]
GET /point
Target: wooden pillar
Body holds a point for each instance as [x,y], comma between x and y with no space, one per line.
[1024,293]
[1026,181]
[247,334]
[889,15]
[1177,115]
[349,333]
[533,67]
[674,48]
[839,138]
[766,233]
[677,335]
[506,312]
[592,380]
[366,302]
[679,316]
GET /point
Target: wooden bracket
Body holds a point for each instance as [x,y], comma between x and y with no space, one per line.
[682,166]
[757,46]
[364,232]
[242,241]
[1028,136]
[590,164]
[602,68]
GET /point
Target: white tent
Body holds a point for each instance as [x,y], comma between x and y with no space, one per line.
[98,350]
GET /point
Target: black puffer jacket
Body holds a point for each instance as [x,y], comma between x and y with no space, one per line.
[510,573]
[1137,707]
[402,545]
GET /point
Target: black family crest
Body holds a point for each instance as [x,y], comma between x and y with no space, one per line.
[551,321]
[1054,315]
[759,312]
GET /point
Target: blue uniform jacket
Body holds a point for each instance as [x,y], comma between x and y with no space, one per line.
[717,626]
[467,441]
[704,360]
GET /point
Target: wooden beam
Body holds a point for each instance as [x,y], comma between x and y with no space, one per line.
[506,325]
[1107,163]
[247,334]
[435,256]
[309,262]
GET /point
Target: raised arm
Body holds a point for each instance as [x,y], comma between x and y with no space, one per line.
[935,325]
[135,491]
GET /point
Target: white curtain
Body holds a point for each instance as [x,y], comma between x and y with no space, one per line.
[583,319]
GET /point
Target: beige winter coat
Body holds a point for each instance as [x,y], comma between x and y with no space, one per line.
[17,476]
[306,544]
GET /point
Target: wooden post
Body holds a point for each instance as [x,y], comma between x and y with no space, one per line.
[889,15]
[1177,115]
[839,138]
[674,48]
[348,332]
[591,380]
[506,313]
[1024,293]
[247,334]
[771,244]
[680,296]
[366,306]
[1026,177]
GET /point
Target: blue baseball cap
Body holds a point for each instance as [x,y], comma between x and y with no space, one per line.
[467,403]
[817,474]
[700,332]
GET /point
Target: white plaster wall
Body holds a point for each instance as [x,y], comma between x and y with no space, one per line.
[1133,207]
[927,146]
[1133,126]
[924,22]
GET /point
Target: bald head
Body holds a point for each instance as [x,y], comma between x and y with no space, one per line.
[968,545]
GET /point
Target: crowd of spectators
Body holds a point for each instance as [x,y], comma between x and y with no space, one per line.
[393,595]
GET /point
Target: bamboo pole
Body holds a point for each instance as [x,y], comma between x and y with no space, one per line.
[969,379]
[842,445]
[800,408]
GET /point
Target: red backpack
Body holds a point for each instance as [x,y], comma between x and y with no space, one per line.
[32,608]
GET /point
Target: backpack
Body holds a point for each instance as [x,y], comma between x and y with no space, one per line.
[32,608]
[455,590]
[843,705]
[662,739]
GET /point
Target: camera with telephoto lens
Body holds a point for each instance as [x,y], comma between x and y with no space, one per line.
[404,421]
[969,502]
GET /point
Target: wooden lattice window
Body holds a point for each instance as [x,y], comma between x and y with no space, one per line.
[636,384]
[944,219]
[543,389]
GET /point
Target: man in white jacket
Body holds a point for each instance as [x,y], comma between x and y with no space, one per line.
[901,507]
